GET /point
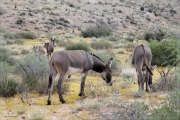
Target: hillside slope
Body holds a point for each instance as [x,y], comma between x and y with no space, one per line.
[122,16]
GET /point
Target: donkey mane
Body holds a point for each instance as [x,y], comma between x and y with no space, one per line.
[97,57]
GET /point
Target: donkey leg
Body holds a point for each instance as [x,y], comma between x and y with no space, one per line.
[50,86]
[59,86]
[140,80]
[83,77]
[147,81]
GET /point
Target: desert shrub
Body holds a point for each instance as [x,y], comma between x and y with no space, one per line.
[106,56]
[163,52]
[142,8]
[2,30]
[157,35]
[14,52]
[11,60]
[24,51]
[149,36]
[34,70]
[112,38]
[78,46]
[113,109]
[25,35]
[10,42]
[19,21]
[20,42]
[101,45]
[96,31]
[4,53]
[148,18]
[63,20]
[10,88]
[8,35]
[63,43]
[171,107]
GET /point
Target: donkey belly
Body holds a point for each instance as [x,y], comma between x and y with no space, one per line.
[72,70]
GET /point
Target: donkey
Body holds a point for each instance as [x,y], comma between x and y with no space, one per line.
[72,62]
[42,50]
[50,47]
[141,60]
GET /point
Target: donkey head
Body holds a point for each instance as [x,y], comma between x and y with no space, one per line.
[152,68]
[106,74]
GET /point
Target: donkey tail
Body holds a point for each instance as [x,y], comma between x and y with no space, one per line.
[145,61]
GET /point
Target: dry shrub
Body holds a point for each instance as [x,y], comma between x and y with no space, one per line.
[164,83]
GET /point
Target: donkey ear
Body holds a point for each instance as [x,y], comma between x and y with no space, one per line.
[110,62]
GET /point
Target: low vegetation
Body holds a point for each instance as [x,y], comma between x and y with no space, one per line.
[96,31]
[78,46]
[164,53]
[101,45]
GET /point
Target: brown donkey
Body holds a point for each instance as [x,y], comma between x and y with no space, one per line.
[72,62]
[142,62]
[50,47]
[42,50]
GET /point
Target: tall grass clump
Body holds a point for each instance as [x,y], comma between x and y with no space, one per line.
[163,52]
[96,31]
[78,46]
[8,86]
[34,70]
[101,45]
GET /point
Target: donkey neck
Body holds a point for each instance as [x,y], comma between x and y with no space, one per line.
[98,66]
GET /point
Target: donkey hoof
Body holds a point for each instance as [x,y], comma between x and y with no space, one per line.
[81,94]
[63,101]
[48,102]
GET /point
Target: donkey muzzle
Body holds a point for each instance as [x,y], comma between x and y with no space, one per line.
[110,83]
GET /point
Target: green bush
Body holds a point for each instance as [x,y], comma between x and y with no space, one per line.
[8,36]
[4,68]
[24,51]
[63,43]
[101,45]
[20,35]
[19,21]
[163,52]
[34,69]
[25,35]
[149,36]
[157,35]
[96,31]
[106,56]
[10,88]
[112,38]
[4,54]
[78,46]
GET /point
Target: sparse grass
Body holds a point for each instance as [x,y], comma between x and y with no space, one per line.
[101,45]
[138,94]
